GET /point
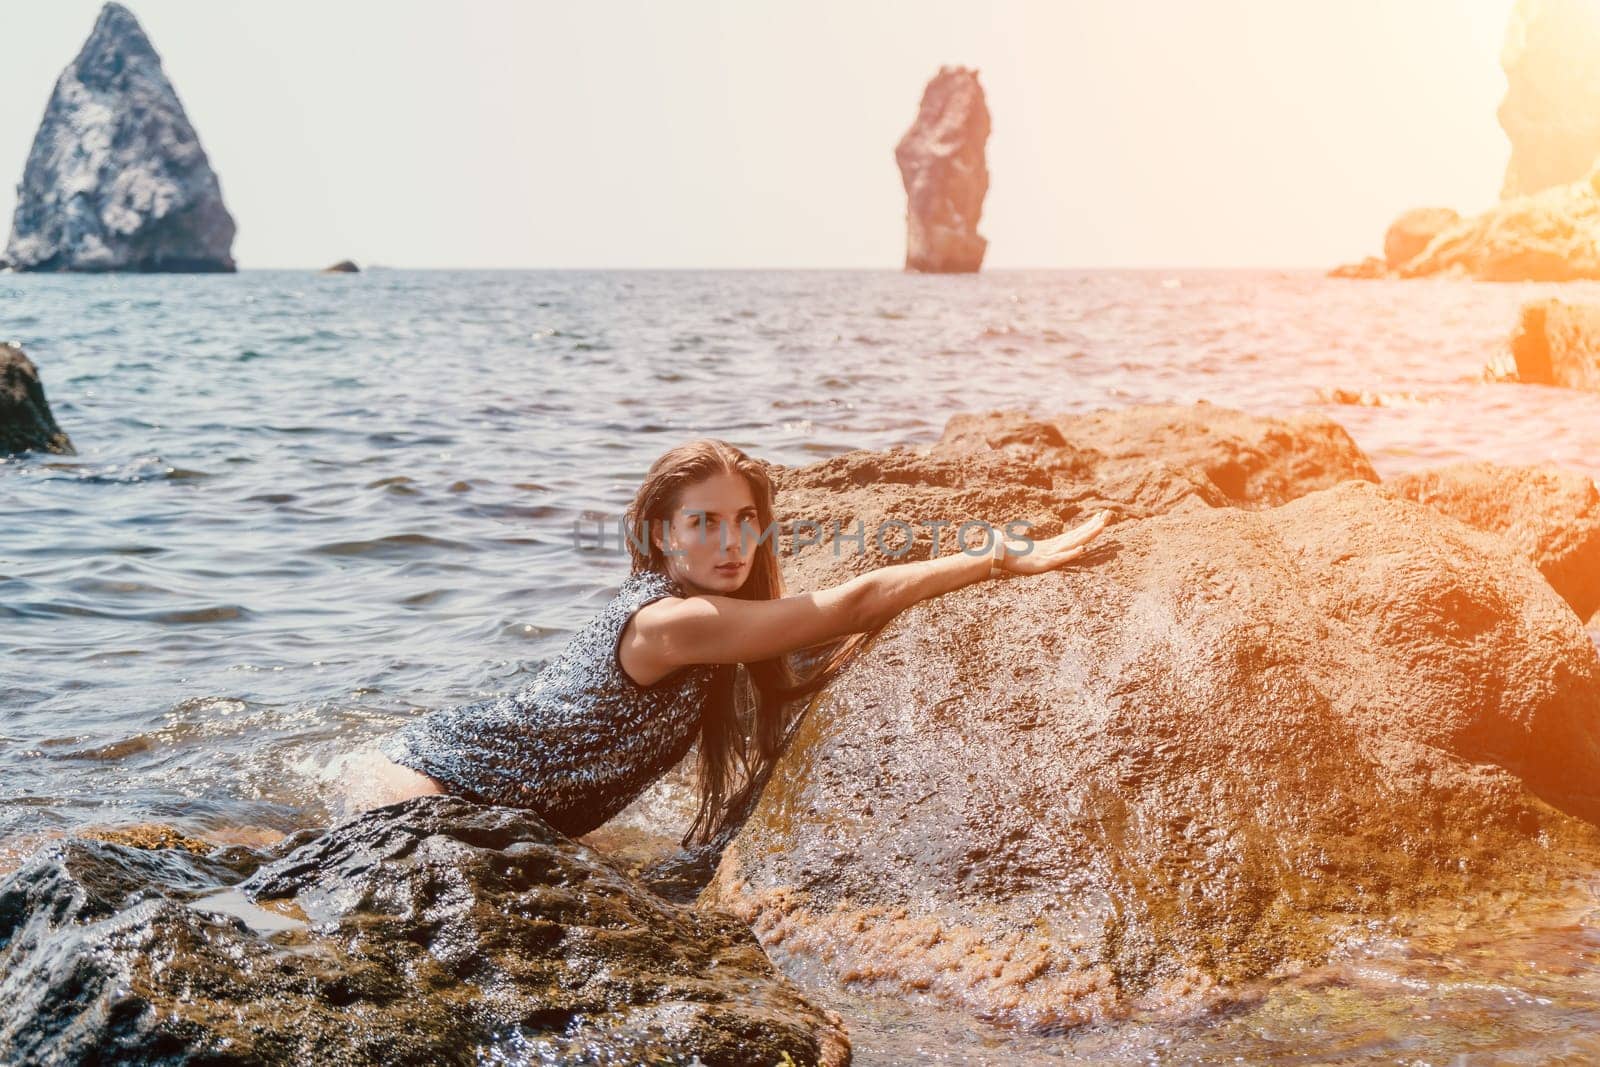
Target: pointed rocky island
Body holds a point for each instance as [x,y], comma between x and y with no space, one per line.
[941,160]
[116,179]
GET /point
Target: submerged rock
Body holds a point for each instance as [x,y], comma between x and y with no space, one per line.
[1227,740]
[941,160]
[429,932]
[26,422]
[116,179]
[1550,516]
[1557,343]
[1551,110]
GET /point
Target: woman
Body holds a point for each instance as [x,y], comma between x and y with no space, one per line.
[660,666]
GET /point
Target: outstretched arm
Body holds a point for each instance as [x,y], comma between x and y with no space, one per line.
[675,631]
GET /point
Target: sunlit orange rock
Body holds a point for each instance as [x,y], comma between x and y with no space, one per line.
[1227,740]
[1551,236]
[1252,459]
[1551,110]
[1557,343]
[1411,233]
[1550,516]
[941,159]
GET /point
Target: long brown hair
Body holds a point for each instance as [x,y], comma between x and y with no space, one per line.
[748,709]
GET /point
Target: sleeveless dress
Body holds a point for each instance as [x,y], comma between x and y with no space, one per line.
[579,742]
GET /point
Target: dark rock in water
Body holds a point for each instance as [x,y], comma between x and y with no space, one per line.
[116,179]
[941,159]
[1551,110]
[1223,743]
[429,932]
[344,266]
[26,424]
[1557,343]
[1411,233]
[1550,516]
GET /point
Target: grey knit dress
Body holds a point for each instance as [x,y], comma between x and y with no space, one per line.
[580,741]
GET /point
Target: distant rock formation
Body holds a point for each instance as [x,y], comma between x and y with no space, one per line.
[26,424]
[1549,236]
[1557,343]
[344,266]
[1411,233]
[1551,110]
[941,160]
[116,179]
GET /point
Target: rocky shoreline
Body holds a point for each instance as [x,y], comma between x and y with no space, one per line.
[1281,704]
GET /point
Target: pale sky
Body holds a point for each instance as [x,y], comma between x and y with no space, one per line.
[601,133]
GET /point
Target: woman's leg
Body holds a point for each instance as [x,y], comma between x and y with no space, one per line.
[372,780]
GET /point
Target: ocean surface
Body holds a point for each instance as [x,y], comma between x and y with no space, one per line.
[307,508]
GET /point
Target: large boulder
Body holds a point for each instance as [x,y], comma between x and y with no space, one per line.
[1253,460]
[1225,740]
[1550,516]
[430,932]
[1557,343]
[116,179]
[1412,232]
[1551,110]
[26,422]
[941,159]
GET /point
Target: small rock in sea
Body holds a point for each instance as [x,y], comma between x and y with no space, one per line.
[1557,343]
[116,179]
[344,266]
[429,932]
[1549,515]
[26,422]
[941,160]
[1240,730]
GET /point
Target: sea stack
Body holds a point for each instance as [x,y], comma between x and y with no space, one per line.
[116,179]
[941,160]
[1551,110]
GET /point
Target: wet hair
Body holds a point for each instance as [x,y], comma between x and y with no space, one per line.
[750,706]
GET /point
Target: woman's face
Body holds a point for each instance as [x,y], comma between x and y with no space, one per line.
[705,551]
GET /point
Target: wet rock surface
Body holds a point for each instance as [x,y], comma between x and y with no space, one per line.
[116,179]
[941,160]
[1549,516]
[430,932]
[1229,739]
[26,422]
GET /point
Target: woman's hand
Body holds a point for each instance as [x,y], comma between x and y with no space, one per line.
[1052,552]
